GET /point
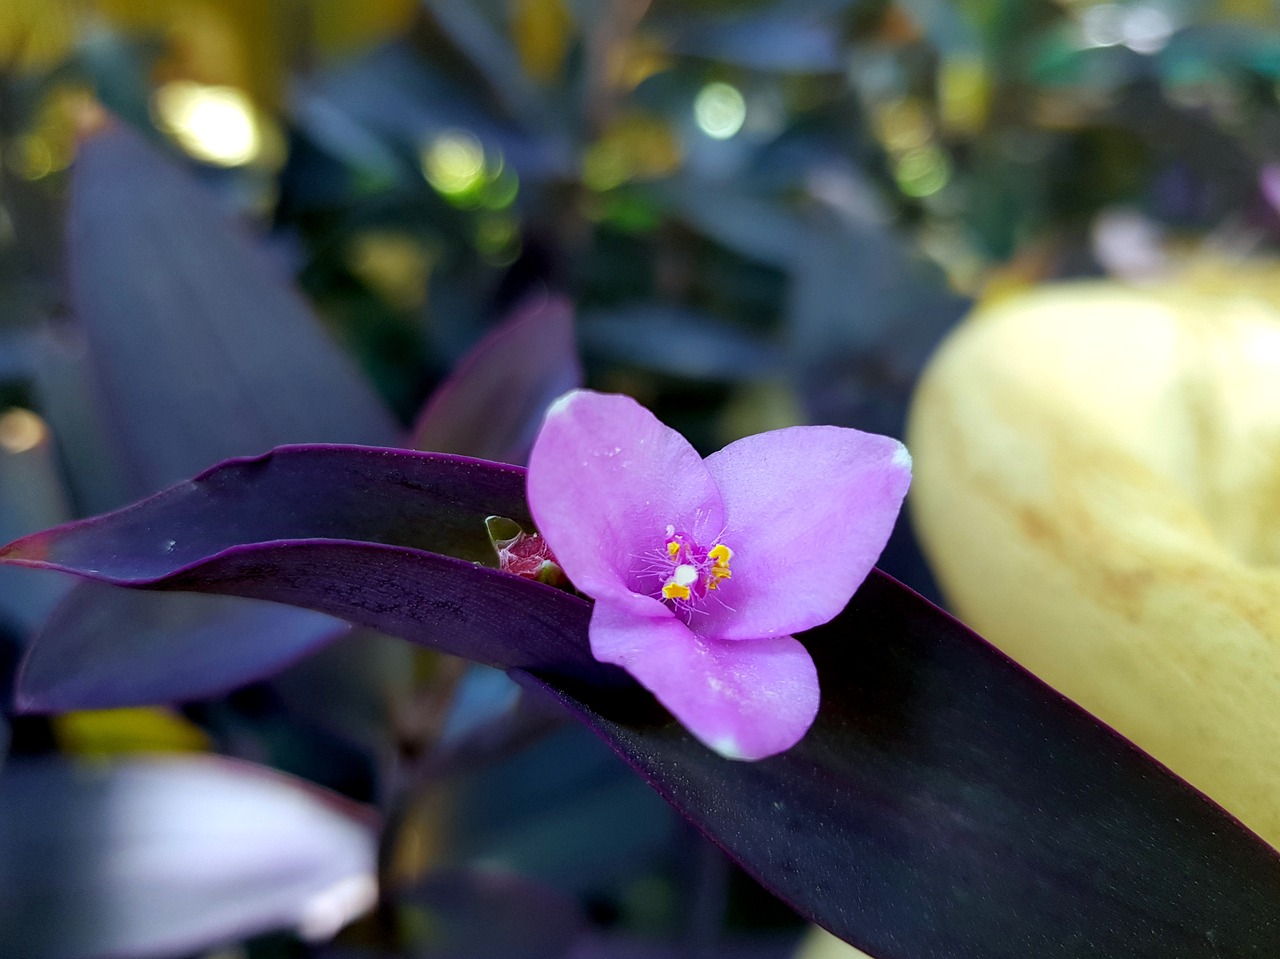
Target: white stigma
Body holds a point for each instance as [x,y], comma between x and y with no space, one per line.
[685,575]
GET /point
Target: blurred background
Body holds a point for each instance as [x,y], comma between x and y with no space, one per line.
[762,214]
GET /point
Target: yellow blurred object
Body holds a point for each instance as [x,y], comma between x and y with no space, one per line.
[48,143]
[1255,11]
[245,44]
[252,45]
[635,146]
[1097,485]
[35,34]
[964,94]
[541,30]
[394,264]
[758,407]
[638,59]
[902,124]
[112,732]
[342,28]
[820,944]
[21,430]
[423,839]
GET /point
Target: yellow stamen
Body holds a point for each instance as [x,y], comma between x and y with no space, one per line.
[675,591]
[673,549]
[721,555]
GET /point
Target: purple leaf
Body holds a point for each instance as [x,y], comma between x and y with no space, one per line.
[356,532]
[107,647]
[621,946]
[784,43]
[172,856]
[198,350]
[492,404]
[202,349]
[948,804]
[641,335]
[31,497]
[945,803]
[426,501]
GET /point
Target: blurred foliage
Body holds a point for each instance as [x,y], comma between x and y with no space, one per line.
[765,211]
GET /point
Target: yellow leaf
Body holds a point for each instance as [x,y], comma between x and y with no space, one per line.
[112,732]
[34,34]
[247,44]
[343,28]
[964,94]
[1097,485]
[541,31]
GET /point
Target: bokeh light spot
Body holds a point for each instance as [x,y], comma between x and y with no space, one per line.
[719,110]
[30,157]
[922,172]
[497,240]
[502,190]
[214,124]
[902,124]
[454,163]
[21,430]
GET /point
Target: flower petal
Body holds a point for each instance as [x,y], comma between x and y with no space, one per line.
[605,481]
[807,513]
[745,700]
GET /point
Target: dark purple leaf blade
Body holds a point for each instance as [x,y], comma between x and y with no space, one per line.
[202,348]
[173,856]
[31,496]
[437,601]
[946,803]
[356,532]
[641,335]
[106,643]
[392,497]
[198,349]
[772,41]
[492,404]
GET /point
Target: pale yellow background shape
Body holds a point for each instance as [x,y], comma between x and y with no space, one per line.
[1097,485]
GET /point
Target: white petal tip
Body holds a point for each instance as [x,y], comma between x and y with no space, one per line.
[561,403]
[337,905]
[727,747]
[901,457]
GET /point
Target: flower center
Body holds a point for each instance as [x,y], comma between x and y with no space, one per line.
[686,572]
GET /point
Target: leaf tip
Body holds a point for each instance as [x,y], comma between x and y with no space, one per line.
[30,550]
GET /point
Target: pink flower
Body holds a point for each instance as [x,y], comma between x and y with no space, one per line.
[702,569]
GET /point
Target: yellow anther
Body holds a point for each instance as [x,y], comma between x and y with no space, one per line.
[673,549]
[720,555]
[675,591]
